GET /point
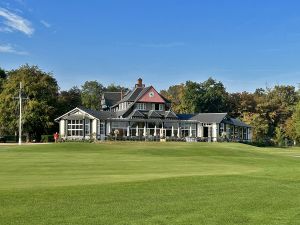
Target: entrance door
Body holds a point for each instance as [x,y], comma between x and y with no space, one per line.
[205,131]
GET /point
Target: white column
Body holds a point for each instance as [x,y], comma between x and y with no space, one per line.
[172,132]
[190,133]
[94,128]
[108,128]
[214,131]
[62,128]
[137,130]
[250,134]
[200,130]
[154,131]
[178,132]
[145,132]
[128,131]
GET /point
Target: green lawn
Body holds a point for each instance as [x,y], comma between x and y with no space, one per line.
[149,183]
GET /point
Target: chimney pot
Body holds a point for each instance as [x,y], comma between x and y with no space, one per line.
[139,83]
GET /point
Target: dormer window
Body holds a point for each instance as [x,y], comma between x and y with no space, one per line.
[161,107]
[141,106]
[156,106]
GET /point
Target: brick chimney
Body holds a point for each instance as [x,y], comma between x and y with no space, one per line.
[140,83]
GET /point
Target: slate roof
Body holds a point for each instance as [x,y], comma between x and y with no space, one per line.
[132,96]
[236,122]
[153,114]
[209,117]
[185,116]
[170,115]
[102,115]
[136,113]
[111,98]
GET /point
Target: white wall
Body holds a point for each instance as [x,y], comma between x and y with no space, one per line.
[94,128]
[107,128]
[200,130]
[215,131]
[62,127]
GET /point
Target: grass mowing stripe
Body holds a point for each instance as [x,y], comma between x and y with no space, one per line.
[149,183]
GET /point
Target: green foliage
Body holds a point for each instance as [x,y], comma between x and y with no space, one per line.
[279,137]
[240,103]
[39,110]
[47,138]
[115,88]
[260,126]
[3,77]
[68,100]
[13,138]
[208,96]
[175,95]
[91,94]
[296,120]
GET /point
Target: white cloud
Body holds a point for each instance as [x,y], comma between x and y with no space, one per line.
[13,22]
[45,23]
[8,48]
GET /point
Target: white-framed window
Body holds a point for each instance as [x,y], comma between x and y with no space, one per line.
[221,128]
[75,128]
[141,106]
[100,128]
[161,107]
[87,127]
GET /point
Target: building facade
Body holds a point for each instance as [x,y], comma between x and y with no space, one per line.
[143,113]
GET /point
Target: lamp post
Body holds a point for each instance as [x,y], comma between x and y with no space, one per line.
[20,113]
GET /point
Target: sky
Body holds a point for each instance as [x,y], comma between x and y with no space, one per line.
[245,44]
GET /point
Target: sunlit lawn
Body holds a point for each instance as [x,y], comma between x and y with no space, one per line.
[149,183]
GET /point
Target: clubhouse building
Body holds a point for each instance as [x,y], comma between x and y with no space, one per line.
[142,113]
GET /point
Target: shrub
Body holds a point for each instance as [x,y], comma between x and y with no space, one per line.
[47,138]
[13,138]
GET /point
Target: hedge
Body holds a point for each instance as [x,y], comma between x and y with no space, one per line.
[47,138]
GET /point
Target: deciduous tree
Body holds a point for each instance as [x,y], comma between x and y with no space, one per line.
[39,110]
[91,94]
[68,100]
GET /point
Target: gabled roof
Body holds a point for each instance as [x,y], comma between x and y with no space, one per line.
[132,95]
[236,122]
[166,100]
[170,115]
[153,114]
[102,115]
[98,114]
[136,113]
[136,94]
[144,96]
[209,117]
[111,98]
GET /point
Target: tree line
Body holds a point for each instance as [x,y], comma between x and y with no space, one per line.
[274,113]
[45,100]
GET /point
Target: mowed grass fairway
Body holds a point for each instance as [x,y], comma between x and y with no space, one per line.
[149,183]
